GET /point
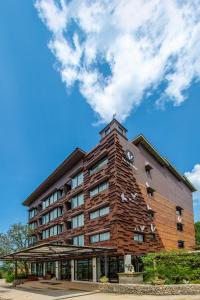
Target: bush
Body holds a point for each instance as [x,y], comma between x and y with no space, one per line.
[9,277]
[1,275]
[173,267]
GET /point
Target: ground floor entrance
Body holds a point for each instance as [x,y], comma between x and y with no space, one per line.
[89,269]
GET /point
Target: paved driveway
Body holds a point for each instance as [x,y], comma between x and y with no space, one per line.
[24,292]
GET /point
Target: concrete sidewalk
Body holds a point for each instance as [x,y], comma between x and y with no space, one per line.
[39,291]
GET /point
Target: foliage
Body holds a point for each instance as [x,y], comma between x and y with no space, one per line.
[172,267]
[104,279]
[1,275]
[197,232]
[15,239]
[10,277]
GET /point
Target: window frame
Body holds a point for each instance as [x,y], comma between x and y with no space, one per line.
[137,234]
[98,212]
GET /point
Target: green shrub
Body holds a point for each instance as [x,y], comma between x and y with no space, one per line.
[175,267]
[1,275]
[10,277]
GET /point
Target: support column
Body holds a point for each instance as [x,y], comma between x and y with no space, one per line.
[44,269]
[127,262]
[72,270]
[58,270]
[94,269]
[106,264]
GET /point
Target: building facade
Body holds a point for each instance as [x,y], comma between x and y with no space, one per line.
[122,194]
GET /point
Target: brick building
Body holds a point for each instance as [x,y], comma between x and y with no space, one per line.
[122,194]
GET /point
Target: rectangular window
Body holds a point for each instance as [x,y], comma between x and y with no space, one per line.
[98,166]
[78,221]
[77,201]
[55,213]
[32,213]
[78,240]
[77,180]
[181,244]
[138,237]
[100,237]
[107,131]
[179,226]
[99,213]
[150,191]
[103,186]
[51,199]
[52,231]
[179,211]
[33,225]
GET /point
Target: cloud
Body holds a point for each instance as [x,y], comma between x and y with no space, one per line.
[194,177]
[120,51]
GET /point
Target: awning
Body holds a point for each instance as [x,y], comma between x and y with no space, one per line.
[53,251]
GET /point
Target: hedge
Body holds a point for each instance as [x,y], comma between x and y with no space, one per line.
[172,267]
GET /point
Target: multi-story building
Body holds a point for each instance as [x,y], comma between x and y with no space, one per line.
[122,194]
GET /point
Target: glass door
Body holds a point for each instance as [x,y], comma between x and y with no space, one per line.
[83,269]
[66,270]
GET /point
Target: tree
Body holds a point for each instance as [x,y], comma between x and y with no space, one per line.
[197,232]
[15,239]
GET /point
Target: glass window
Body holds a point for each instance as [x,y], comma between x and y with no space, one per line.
[77,200]
[99,213]
[181,244]
[138,237]
[98,166]
[32,213]
[107,131]
[100,237]
[179,211]
[78,221]
[78,240]
[51,199]
[103,186]
[179,226]
[77,180]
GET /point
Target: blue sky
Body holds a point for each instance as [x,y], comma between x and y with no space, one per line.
[42,120]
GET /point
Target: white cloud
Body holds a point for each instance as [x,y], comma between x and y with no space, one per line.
[194,177]
[144,43]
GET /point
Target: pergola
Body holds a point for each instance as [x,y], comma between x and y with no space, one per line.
[54,252]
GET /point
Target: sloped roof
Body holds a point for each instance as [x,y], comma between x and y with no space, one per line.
[68,163]
[163,161]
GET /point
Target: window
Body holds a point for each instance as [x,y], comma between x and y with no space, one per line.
[78,240]
[77,180]
[150,191]
[103,186]
[179,226]
[152,236]
[55,213]
[138,237]
[98,166]
[77,201]
[32,213]
[100,237]
[78,221]
[32,240]
[151,215]
[99,213]
[33,225]
[107,131]
[52,231]
[120,130]
[148,168]
[51,199]
[179,211]
[181,244]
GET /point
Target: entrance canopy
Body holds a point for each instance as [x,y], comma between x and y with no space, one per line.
[53,252]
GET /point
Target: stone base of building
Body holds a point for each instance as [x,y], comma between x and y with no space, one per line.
[147,289]
[130,278]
